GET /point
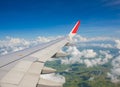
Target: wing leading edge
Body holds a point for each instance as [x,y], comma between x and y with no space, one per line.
[23,68]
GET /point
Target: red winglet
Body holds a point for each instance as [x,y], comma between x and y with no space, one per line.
[75,29]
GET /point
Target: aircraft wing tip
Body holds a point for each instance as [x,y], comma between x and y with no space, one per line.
[75,29]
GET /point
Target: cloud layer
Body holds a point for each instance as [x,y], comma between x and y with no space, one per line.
[87,56]
[11,44]
[88,51]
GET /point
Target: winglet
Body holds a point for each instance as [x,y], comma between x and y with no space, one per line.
[74,30]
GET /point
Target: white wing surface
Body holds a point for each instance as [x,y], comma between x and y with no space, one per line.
[23,68]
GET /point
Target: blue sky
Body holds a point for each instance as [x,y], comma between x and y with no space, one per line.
[32,18]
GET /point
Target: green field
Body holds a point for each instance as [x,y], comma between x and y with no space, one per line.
[78,75]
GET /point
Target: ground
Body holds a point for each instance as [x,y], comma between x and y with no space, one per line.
[78,75]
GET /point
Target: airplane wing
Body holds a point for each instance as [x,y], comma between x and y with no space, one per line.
[23,68]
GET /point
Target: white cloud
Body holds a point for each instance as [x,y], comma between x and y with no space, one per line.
[79,38]
[106,54]
[103,45]
[72,50]
[42,39]
[100,60]
[117,44]
[15,41]
[76,55]
[88,63]
[87,56]
[3,51]
[89,53]
[53,77]
[10,44]
[115,71]
[96,45]
[104,42]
